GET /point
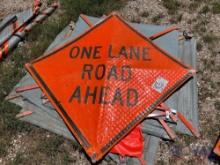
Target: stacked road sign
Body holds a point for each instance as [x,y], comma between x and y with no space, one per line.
[107,76]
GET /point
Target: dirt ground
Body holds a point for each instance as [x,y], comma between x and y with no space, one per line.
[199,18]
[13,6]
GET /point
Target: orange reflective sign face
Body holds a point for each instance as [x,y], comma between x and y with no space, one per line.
[107,81]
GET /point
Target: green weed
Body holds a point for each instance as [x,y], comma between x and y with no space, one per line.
[216,7]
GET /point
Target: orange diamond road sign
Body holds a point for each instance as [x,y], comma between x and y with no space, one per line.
[107,81]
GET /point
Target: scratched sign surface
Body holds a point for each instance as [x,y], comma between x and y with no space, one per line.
[107,81]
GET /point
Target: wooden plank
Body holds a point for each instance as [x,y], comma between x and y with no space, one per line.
[151,149]
[42,119]
[185,99]
[152,127]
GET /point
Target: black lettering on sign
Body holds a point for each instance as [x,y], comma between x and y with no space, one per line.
[123,53]
[103,94]
[130,52]
[126,73]
[100,71]
[90,93]
[113,73]
[117,98]
[132,97]
[146,56]
[87,70]
[91,52]
[135,53]
[96,54]
[74,52]
[86,52]
[76,95]
[110,52]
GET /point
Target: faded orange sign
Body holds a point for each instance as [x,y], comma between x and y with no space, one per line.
[107,81]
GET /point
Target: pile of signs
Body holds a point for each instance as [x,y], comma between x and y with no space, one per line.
[14,27]
[105,80]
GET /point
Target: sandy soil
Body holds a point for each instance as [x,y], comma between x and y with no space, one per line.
[13,6]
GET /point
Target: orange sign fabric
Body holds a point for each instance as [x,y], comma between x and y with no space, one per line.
[107,81]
